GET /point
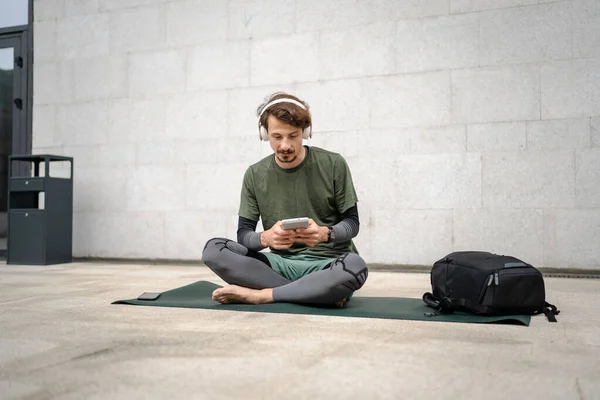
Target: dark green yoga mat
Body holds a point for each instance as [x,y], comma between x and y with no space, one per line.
[198,295]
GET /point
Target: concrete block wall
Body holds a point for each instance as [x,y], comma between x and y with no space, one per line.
[468,124]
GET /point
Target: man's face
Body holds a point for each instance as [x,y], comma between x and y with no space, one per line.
[286,142]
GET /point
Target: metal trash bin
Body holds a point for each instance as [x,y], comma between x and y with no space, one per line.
[40,212]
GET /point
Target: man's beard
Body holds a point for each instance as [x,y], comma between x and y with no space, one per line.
[286,157]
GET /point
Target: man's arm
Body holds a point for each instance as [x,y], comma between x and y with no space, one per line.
[346,199]
[348,227]
[247,235]
[344,230]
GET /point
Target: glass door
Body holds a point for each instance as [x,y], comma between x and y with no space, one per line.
[12,118]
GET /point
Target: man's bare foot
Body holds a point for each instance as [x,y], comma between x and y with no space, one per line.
[238,294]
[341,302]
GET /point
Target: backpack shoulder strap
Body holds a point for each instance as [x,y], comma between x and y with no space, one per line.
[550,311]
[443,306]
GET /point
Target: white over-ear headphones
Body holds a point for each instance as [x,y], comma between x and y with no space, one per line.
[262,131]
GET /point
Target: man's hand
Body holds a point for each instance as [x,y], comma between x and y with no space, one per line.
[312,235]
[277,237]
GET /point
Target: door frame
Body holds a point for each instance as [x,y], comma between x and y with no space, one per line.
[18,129]
[23,36]
[25,33]
[20,140]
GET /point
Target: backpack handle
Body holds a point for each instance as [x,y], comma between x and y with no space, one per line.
[444,305]
[430,301]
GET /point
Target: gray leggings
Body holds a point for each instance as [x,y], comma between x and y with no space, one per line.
[237,265]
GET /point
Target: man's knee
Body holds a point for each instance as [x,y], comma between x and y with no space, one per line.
[213,242]
[355,263]
[214,250]
[356,267]
[212,246]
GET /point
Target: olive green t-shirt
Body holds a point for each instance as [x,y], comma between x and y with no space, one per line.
[320,188]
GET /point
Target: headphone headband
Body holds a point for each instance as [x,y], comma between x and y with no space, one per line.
[307,132]
[272,103]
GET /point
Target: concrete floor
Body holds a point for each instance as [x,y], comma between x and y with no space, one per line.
[61,338]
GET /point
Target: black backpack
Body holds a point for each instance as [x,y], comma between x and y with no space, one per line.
[487,284]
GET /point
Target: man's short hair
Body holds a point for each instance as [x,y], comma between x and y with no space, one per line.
[288,113]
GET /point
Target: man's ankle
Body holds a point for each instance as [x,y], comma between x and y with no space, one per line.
[266,296]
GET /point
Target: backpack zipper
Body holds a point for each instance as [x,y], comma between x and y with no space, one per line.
[494,278]
[507,266]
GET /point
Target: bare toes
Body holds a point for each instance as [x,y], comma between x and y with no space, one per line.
[341,302]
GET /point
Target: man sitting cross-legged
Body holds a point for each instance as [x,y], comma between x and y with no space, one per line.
[316,265]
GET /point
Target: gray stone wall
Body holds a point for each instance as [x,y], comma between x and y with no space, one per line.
[468,124]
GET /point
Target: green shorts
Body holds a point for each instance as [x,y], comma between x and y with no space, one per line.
[296,266]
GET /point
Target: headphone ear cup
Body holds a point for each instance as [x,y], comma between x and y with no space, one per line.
[264,135]
[307,132]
